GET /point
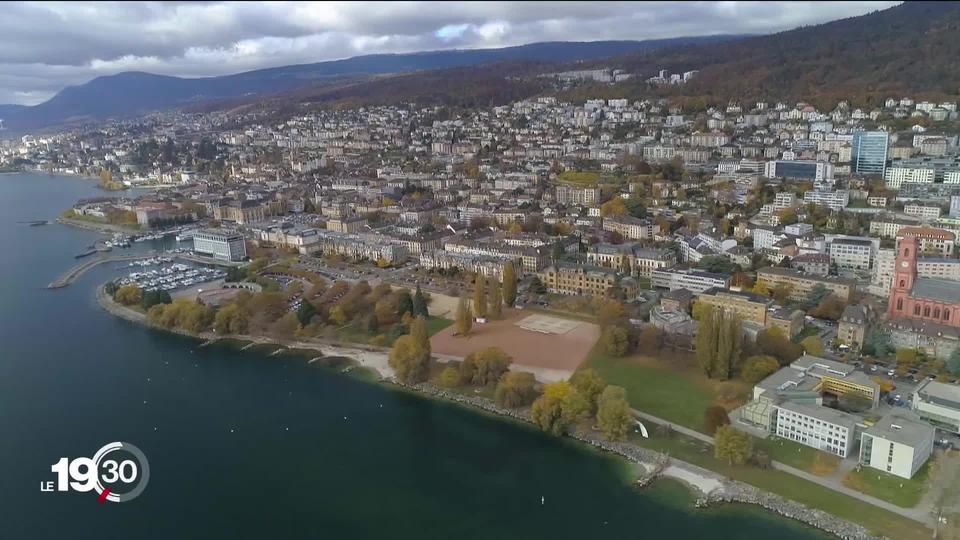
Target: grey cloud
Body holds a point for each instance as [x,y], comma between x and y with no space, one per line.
[45,46]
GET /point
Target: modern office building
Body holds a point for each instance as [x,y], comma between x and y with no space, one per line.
[220,244]
[869,152]
[693,280]
[939,404]
[822,428]
[817,171]
[851,255]
[899,444]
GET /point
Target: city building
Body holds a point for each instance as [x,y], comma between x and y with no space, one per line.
[922,211]
[631,259]
[851,256]
[817,171]
[821,428]
[582,280]
[748,307]
[853,324]
[834,200]
[695,281]
[869,152]
[899,444]
[631,228]
[912,297]
[939,404]
[801,284]
[220,244]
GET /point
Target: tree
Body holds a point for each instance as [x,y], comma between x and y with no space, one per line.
[128,295]
[589,384]
[812,346]
[760,288]
[496,300]
[729,338]
[509,284]
[758,368]
[705,341]
[714,417]
[732,445]
[546,413]
[771,341]
[781,293]
[829,308]
[404,302]
[230,319]
[419,304]
[515,389]
[614,207]
[409,361]
[479,296]
[609,311]
[486,366]
[464,317]
[614,341]
[418,329]
[450,377]
[650,340]
[877,343]
[613,413]
[817,294]
[306,311]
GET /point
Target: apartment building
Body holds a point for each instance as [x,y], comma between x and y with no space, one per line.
[583,280]
[897,176]
[801,284]
[851,256]
[922,211]
[631,259]
[888,225]
[747,306]
[834,200]
[579,196]
[631,228]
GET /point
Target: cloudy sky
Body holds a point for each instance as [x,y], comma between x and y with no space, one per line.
[46,46]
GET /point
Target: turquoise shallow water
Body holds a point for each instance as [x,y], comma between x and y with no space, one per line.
[312,454]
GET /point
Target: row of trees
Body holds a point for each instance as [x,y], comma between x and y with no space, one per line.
[488,299]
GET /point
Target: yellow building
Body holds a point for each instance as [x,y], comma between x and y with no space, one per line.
[801,284]
[747,306]
[584,280]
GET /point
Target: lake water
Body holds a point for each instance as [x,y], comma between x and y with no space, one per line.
[242,445]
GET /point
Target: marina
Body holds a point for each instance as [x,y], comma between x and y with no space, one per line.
[169,278]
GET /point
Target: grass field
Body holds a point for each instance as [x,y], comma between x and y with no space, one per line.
[877,520]
[673,392]
[582,178]
[355,334]
[882,485]
[798,455]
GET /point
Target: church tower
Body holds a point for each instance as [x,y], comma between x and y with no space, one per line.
[904,274]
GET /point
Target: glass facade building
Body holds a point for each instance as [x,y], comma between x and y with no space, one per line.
[869,152]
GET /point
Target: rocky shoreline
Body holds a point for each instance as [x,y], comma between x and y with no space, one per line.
[655,464]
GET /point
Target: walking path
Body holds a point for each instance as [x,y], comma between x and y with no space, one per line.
[920,513]
[72,274]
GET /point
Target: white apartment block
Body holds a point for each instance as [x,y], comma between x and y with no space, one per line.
[818,427]
[924,212]
[939,404]
[897,176]
[834,200]
[585,196]
[851,256]
[888,225]
[784,200]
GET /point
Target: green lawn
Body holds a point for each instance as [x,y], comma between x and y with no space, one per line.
[584,178]
[882,485]
[798,455]
[670,394]
[436,324]
[877,520]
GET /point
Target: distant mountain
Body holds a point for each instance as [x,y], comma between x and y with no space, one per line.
[137,92]
[910,49]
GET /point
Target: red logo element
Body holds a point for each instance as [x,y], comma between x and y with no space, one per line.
[103,496]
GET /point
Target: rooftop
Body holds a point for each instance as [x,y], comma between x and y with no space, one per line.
[942,290]
[902,427]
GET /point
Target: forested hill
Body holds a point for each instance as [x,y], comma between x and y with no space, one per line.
[911,49]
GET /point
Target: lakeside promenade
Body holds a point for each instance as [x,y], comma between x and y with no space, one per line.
[709,487]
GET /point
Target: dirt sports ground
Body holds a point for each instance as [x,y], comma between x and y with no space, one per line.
[552,353]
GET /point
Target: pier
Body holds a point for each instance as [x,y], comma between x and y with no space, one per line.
[71,275]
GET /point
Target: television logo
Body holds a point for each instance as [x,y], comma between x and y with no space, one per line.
[118,472]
